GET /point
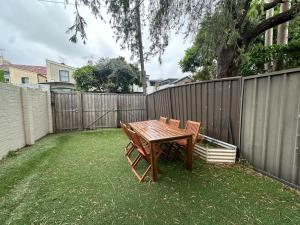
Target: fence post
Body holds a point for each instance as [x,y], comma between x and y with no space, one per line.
[170,99]
[146,106]
[154,106]
[50,116]
[27,116]
[118,112]
[79,111]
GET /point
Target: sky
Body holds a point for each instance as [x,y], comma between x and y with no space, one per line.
[32,31]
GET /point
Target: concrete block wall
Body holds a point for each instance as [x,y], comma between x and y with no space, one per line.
[25,116]
[39,101]
[12,135]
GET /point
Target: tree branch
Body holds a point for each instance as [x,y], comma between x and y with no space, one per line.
[273,21]
[271,5]
[244,14]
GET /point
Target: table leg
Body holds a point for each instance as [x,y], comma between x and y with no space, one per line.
[189,155]
[153,161]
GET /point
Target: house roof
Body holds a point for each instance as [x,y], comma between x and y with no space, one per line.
[59,64]
[36,69]
[183,78]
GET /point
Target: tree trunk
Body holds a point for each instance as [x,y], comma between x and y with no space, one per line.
[269,35]
[227,62]
[140,43]
[282,33]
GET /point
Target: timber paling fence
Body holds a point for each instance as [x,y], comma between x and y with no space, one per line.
[75,110]
[260,114]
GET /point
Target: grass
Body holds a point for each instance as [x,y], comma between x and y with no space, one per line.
[83,178]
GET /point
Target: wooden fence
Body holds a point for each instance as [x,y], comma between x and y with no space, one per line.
[77,110]
[216,104]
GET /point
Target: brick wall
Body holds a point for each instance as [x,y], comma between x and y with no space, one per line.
[25,116]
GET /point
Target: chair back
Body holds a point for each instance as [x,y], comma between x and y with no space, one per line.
[174,123]
[163,119]
[193,127]
[137,142]
[125,129]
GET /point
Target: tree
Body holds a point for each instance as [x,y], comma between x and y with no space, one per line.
[125,19]
[282,33]
[237,24]
[84,77]
[2,79]
[284,56]
[108,75]
[269,34]
[201,58]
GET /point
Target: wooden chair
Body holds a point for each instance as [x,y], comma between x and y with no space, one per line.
[174,123]
[193,127]
[144,153]
[130,146]
[163,119]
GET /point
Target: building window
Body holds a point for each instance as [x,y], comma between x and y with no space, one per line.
[6,76]
[25,80]
[64,76]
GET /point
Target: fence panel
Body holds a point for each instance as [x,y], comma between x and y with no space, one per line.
[215,104]
[150,107]
[99,110]
[159,104]
[65,111]
[96,110]
[271,109]
[132,107]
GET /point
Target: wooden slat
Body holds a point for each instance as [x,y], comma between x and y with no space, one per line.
[153,130]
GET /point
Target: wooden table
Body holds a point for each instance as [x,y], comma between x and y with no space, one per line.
[155,132]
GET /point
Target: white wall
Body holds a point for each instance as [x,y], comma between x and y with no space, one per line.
[25,116]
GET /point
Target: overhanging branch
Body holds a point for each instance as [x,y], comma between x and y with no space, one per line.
[271,5]
[271,22]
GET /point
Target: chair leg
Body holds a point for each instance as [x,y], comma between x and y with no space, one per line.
[134,164]
[129,148]
[145,174]
[136,160]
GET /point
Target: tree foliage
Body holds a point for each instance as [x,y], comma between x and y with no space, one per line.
[248,58]
[232,25]
[125,17]
[229,27]
[2,79]
[122,18]
[108,75]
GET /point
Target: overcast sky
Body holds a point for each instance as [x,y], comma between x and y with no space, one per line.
[32,31]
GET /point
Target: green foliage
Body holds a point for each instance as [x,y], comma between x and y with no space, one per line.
[2,79]
[84,77]
[108,75]
[282,56]
[123,19]
[201,58]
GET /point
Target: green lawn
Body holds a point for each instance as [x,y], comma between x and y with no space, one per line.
[84,178]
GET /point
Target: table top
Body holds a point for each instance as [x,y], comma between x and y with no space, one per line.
[154,130]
